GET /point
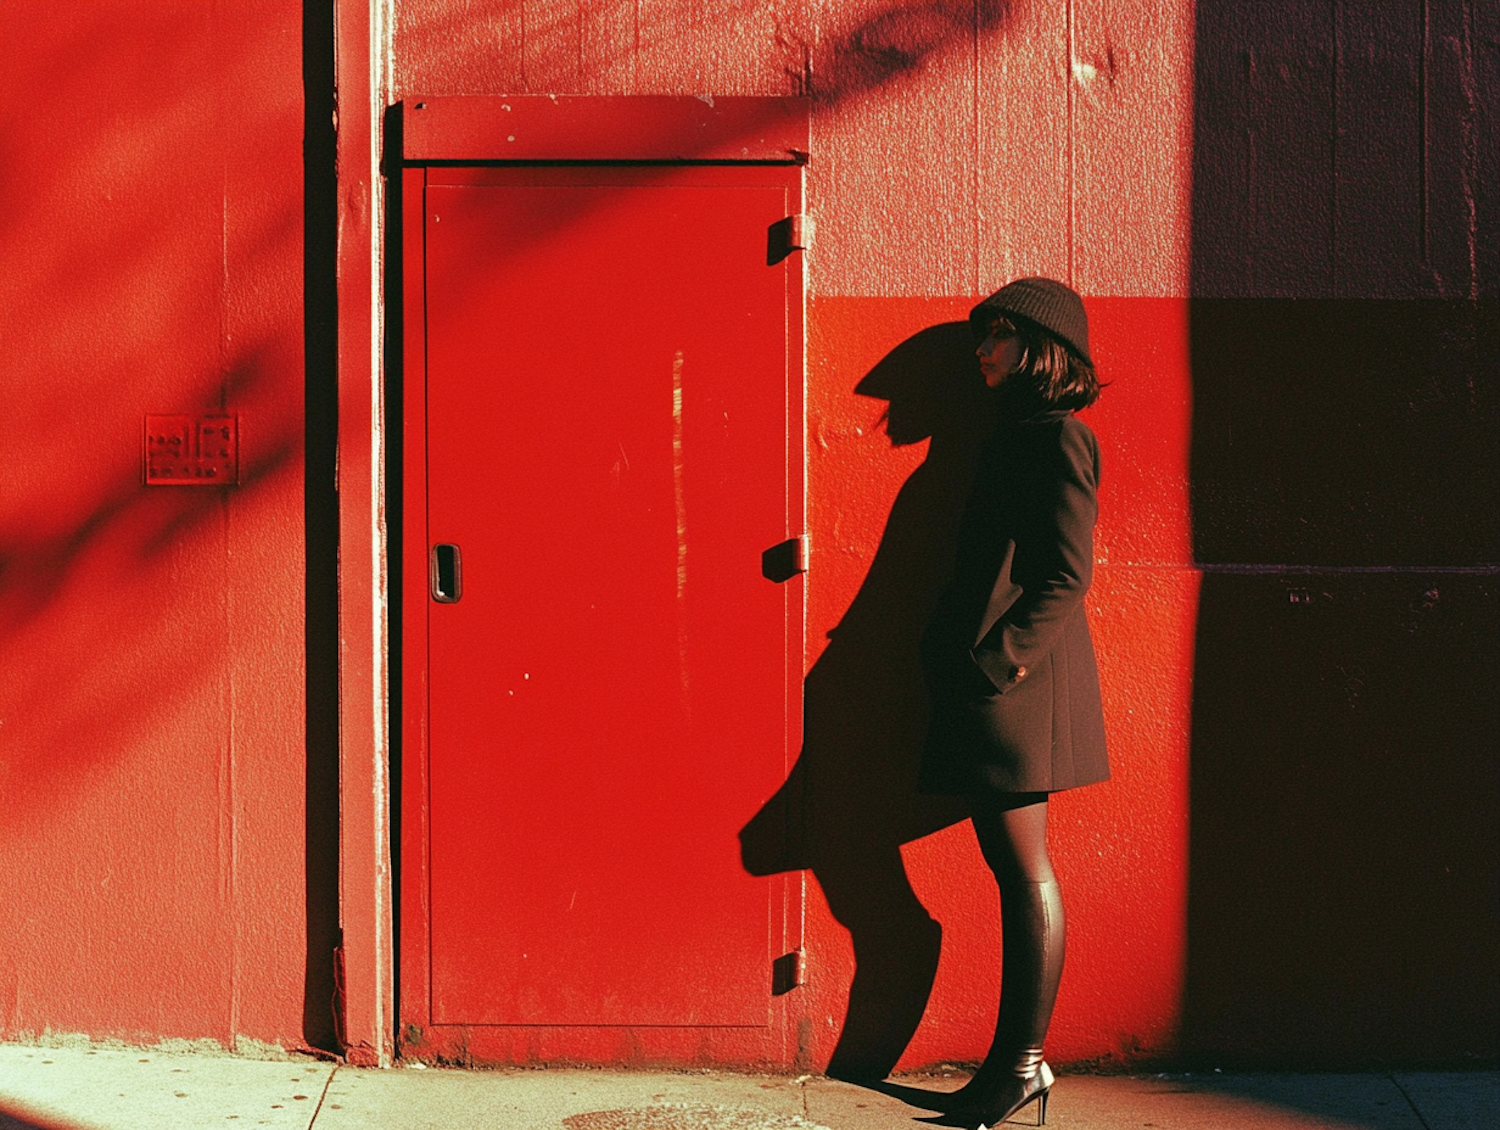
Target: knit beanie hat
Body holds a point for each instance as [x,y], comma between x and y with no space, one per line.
[1047,303]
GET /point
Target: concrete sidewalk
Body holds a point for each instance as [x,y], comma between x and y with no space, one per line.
[83,1088]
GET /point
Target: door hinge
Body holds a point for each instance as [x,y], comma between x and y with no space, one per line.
[786,559]
[794,233]
[787,972]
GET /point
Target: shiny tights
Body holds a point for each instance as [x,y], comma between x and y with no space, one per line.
[1012,834]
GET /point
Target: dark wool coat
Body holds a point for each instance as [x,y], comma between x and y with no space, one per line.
[1007,654]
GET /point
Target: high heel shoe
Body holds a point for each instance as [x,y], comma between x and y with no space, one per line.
[1014,1094]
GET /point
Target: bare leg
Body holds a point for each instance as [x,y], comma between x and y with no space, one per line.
[1013,837]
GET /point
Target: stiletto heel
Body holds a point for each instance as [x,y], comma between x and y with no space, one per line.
[1035,1088]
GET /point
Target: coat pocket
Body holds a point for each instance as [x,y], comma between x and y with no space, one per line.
[1005,593]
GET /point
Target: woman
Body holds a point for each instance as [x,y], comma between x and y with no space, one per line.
[1015,692]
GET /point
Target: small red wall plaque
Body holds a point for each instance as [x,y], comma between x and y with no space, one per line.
[192,451]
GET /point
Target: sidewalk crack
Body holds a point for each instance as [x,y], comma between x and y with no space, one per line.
[324,1094]
[1397,1084]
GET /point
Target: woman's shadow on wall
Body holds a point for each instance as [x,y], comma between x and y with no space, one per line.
[851,799]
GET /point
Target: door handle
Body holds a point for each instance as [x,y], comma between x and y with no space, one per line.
[447,574]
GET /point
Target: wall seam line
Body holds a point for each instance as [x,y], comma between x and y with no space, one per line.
[1072,183]
[1333,156]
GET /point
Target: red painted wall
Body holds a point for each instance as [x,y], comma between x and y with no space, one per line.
[151,639]
[951,152]
[1295,599]
[1290,617]
[1120,848]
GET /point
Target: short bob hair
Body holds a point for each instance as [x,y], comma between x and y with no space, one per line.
[1056,375]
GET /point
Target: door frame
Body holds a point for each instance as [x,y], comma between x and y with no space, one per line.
[565,130]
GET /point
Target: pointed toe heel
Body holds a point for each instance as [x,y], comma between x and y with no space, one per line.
[1034,1088]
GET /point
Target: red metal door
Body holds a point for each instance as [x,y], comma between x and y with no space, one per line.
[611,442]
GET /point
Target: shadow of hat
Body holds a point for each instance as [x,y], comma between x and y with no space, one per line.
[926,382]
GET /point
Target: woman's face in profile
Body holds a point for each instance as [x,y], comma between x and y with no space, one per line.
[1000,352]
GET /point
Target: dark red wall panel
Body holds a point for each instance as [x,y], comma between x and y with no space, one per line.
[1343,796]
[1346,434]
